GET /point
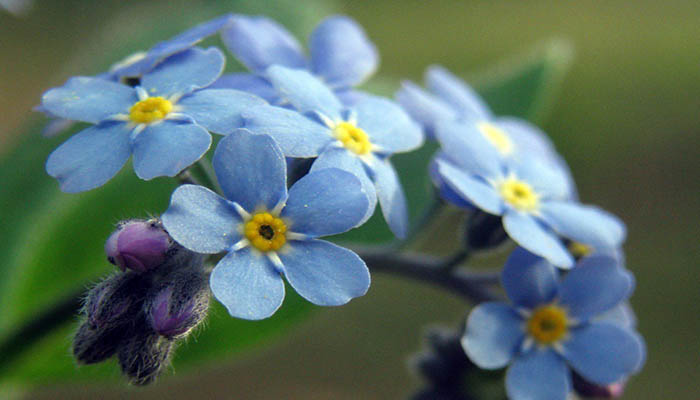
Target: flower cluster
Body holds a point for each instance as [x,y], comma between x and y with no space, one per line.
[304,154]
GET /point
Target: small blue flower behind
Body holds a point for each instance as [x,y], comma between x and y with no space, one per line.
[552,326]
[269,232]
[164,122]
[359,139]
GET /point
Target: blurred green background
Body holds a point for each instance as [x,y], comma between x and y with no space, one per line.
[627,120]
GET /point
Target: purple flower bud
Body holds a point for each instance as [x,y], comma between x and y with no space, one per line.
[588,389]
[92,345]
[115,300]
[180,304]
[138,245]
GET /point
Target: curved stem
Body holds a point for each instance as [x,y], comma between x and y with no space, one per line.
[465,283]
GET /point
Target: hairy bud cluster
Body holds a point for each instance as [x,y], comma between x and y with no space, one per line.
[138,314]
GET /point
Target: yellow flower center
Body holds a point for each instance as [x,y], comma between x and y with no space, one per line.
[265,232]
[548,324]
[519,195]
[496,137]
[579,250]
[149,110]
[353,138]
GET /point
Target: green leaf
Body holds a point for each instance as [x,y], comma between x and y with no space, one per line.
[53,242]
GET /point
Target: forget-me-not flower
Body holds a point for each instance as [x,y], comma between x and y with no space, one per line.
[340,54]
[164,122]
[269,232]
[358,139]
[551,327]
[532,197]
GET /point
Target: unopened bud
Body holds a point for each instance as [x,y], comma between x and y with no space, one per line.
[484,231]
[143,356]
[115,300]
[92,345]
[180,304]
[585,388]
[138,245]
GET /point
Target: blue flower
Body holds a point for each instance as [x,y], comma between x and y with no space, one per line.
[130,70]
[340,54]
[268,232]
[532,197]
[358,139]
[551,326]
[163,122]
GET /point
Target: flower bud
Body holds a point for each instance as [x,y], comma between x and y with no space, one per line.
[114,301]
[92,345]
[585,388]
[144,355]
[180,304]
[484,231]
[138,245]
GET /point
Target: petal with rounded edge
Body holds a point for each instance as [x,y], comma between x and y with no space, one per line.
[88,99]
[391,197]
[603,353]
[529,280]
[456,92]
[594,286]
[325,202]
[323,273]
[538,375]
[251,170]
[464,144]
[201,220]
[304,92]
[246,82]
[341,52]
[297,135]
[184,72]
[471,189]
[526,231]
[218,110]
[387,125]
[247,284]
[91,157]
[493,335]
[259,42]
[584,224]
[166,148]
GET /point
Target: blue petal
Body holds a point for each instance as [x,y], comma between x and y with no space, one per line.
[621,315]
[184,72]
[603,353]
[304,92]
[251,170]
[349,96]
[464,144]
[391,197]
[538,375]
[247,83]
[259,42]
[297,135]
[91,157]
[218,110]
[528,233]
[585,224]
[529,280]
[89,99]
[323,273]
[493,335]
[594,286]
[325,202]
[457,93]
[56,126]
[423,107]
[335,157]
[165,149]
[527,137]
[247,284]
[201,220]
[387,125]
[471,189]
[446,192]
[549,180]
[341,52]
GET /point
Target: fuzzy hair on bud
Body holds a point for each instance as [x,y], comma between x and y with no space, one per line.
[180,304]
[144,355]
[115,300]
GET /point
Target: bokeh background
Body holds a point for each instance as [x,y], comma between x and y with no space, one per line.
[627,119]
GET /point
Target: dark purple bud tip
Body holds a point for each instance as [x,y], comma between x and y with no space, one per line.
[588,389]
[114,301]
[143,357]
[180,305]
[138,245]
